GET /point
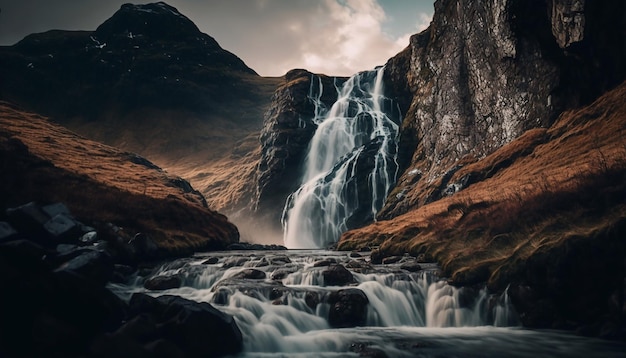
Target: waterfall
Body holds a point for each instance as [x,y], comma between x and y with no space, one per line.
[350,165]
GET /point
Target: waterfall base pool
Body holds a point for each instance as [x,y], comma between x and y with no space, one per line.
[313,303]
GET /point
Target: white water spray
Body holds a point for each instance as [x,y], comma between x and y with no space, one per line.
[354,150]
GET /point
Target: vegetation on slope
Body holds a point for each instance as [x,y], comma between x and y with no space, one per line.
[545,213]
[44,162]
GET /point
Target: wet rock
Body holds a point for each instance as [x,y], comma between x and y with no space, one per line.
[276,293]
[159,283]
[211,261]
[312,299]
[355,255]
[197,329]
[250,274]
[337,275]
[348,308]
[391,260]
[280,260]
[234,262]
[324,262]
[376,257]
[280,274]
[411,266]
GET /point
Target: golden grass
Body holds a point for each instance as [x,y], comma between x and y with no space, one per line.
[539,192]
[44,162]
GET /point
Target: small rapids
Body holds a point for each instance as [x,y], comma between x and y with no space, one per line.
[312,303]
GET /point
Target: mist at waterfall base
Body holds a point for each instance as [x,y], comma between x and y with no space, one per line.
[351,162]
[286,308]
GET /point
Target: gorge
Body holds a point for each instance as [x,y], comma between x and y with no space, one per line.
[476,181]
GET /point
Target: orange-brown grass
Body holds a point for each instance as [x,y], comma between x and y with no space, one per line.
[44,162]
[214,150]
[547,190]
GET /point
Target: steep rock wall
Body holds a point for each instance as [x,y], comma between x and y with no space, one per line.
[485,72]
[287,131]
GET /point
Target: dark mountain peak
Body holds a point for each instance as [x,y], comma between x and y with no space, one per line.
[144,55]
[155,21]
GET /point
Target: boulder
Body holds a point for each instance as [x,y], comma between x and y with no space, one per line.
[7,232]
[211,261]
[411,266]
[312,299]
[63,228]
[348,308]
[337,275]
[324,262]
[29,220]
[197,329]
[159,283]
[55,209]
[250,274]
[391,260]
[94,265]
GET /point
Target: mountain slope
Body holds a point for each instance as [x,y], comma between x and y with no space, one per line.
[46,163]
[545,214]
[147,81]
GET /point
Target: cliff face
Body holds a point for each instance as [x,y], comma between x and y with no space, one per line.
[545,216]
[513,156]
[287,130]
[484,73]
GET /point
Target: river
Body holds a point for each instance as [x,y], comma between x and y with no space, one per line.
[290,304]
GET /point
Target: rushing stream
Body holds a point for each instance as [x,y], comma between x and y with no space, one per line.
[305,303]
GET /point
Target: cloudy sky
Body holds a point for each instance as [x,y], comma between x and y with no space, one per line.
[336,37]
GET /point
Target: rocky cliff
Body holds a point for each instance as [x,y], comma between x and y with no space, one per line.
[287,130]
[513,175]
[484,73]
[544,216]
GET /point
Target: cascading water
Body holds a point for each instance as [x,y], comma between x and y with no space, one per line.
[395,312]
[351,162]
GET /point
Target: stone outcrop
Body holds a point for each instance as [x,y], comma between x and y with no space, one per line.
[484,73]
[287,130]
[55,301]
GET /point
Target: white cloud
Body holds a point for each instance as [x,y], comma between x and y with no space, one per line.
[335,37]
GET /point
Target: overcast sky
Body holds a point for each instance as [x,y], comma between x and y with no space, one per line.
[336,37]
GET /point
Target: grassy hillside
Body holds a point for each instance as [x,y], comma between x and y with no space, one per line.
[44,162]
[546,213]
